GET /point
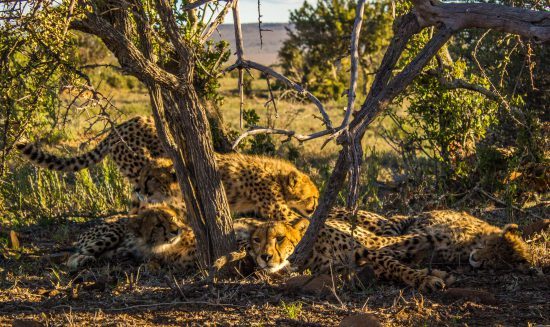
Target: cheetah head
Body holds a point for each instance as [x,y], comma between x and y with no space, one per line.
[157,225]
[300,193]
[157,181]
[505,250]
[271,243]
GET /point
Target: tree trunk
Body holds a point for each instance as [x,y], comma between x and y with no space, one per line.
[198,174]
[182,125]
[204,215]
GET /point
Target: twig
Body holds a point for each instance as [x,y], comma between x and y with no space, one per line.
[198,4]
[354,50]
[240,57]
[271,97]
[286,81]
[354,60]
[205,35]
[260,26]
[153,305]
[497,200]
[289,133]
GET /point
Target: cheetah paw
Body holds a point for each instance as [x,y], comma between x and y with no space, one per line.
[445,276]
[77,261]
[432,283]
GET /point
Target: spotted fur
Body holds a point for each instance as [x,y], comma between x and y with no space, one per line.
[267,187]
[271,243]
[462,239]
[155,233]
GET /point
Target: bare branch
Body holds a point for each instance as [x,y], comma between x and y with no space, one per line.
[198,4]
[219,20]
[129,56]
[376,104]
[171,27]
[354,60]
[286,81]
[271,97]
[289,133]
[240,57]
[459,16]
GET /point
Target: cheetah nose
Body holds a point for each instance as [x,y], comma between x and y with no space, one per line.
[266,257]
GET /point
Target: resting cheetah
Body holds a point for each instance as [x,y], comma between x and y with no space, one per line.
[271,243]
[460,238]
[155,233]
[270,187]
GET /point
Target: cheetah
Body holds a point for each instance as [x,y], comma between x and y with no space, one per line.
[267,187]
[461,238]
[271,243]
[131,145]
[270,187]
[154,234]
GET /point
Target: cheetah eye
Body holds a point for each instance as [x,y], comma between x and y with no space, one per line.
[256,240]
[280,239]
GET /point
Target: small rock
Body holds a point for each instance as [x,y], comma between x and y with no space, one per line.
[360,320]
[478,296]
[317,285]
[26,323]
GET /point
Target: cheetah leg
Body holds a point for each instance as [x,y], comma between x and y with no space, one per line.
[96,243]
[388,267]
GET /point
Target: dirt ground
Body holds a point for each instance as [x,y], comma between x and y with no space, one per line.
[36,290]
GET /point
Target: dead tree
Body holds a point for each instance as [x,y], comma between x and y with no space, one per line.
[129,30]
[447,19]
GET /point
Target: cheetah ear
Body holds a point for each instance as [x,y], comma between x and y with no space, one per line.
[244,227]
[511,228]
[293,179]
[300,225]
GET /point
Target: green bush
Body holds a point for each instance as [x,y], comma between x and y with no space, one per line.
[316,54]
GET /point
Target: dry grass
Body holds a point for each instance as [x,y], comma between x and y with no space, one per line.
[39,289]
[36,287]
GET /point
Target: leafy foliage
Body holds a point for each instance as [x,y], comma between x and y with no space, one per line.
[317,50]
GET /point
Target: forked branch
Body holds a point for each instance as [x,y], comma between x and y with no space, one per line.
[247,64]
[449,18]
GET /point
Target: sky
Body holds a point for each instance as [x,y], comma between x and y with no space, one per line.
[273,11]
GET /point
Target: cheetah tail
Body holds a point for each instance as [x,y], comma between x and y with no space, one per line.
[52,162]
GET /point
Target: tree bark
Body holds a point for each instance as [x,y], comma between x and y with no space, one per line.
[198,174]
[181,122]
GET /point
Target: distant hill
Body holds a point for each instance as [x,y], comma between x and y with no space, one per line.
[272,40]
